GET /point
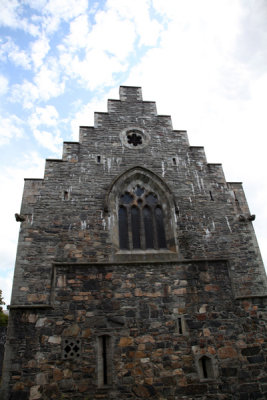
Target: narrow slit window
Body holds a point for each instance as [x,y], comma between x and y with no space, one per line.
[206,368]
[180,326]
[135,219]
[123,228]
[174,161]
[104,360]
[98,159]
[211,197]
[236,199]
[66,195]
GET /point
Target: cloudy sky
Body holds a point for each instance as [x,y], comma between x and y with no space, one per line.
[203,62]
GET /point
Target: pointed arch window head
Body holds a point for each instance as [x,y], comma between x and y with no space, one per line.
[142,215]
[141,220]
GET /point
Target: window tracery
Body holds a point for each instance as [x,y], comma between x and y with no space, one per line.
[141,220]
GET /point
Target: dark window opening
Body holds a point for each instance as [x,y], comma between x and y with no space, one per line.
[180,326]
[134,138]
[211,197]
[151,199]
[71,348]
[141,220]
[160,228]
[135,219]
[148,224]
[66,195]
[104,356]
[98,159]
[206,367]
[174,161]
[236,199]
[139,191]
[104,360]
[126,198]
[123,228]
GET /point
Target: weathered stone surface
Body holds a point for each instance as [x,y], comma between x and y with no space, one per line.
[90,320]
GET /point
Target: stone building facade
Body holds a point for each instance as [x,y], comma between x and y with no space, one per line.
[138,273]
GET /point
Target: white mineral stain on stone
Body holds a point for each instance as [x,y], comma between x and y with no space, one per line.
[40,322]
[104,223]
[83,225]
[144,360]
[228,224]
[188,158]
[109,164]
[203,309]
[163,168]
[198,181]
[193,189]
[207,234]
[54,339]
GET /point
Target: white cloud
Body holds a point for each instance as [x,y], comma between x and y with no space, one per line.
[78,37]
[26,93]
[11,16]
[112,34]
[66,10]
[55,11]
[11,127]
[47,83]
[137,11]
[9,13]
[40,49]
[10,51]
[47,115]
[3,85]
[86,71]
[51,141]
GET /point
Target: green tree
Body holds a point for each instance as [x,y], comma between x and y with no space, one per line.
[3,317]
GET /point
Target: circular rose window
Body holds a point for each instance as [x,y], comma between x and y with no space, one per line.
[134,138]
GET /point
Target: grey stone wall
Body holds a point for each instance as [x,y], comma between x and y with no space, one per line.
[70,236]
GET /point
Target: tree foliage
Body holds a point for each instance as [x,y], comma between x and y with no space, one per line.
[3,317]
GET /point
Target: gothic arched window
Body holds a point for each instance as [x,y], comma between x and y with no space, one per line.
[141,220]
[141,215]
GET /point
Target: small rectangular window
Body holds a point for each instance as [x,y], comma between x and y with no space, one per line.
[174,161]
[98,159]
